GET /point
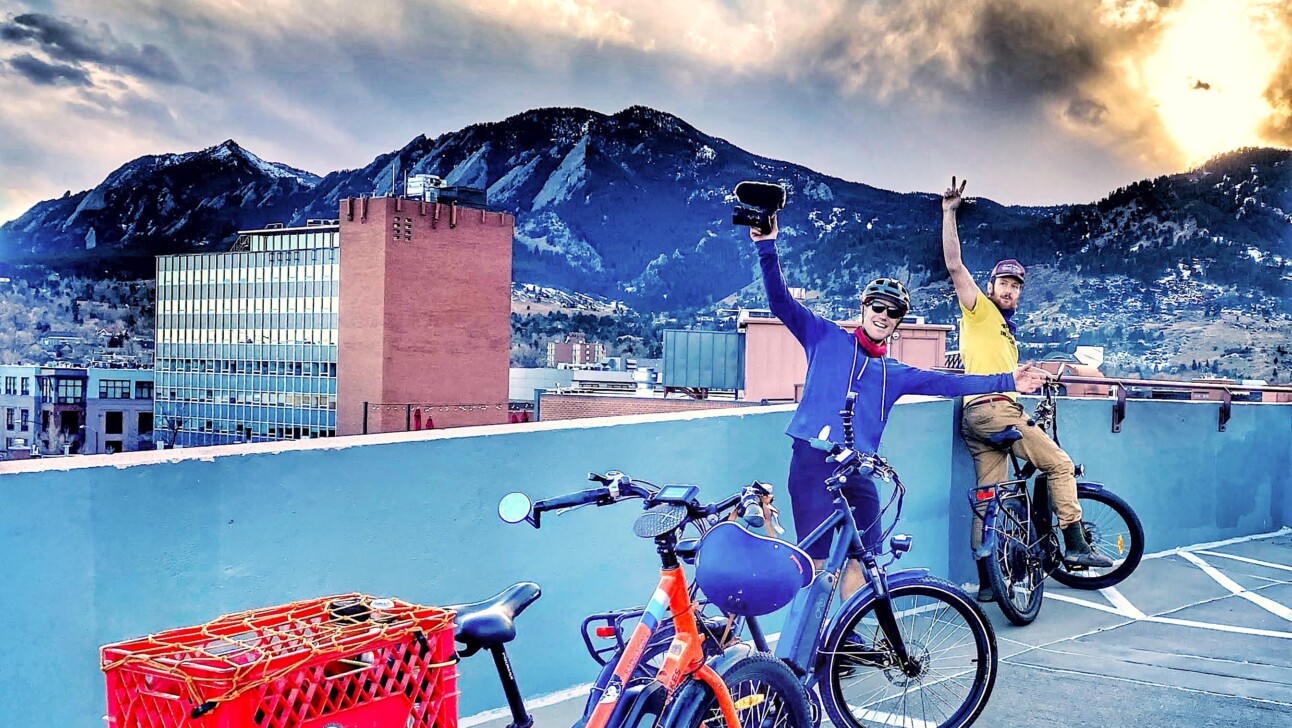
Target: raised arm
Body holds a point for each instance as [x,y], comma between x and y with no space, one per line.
[966,289]
[806,326]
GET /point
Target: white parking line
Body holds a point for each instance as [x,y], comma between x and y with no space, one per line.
[1246,560]
[1122,603]
[1234,587]
[542,701]
[1217,544]
[1088,605]
[1220,627]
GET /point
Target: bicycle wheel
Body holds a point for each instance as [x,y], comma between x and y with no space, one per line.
[766,692]
[1017,573]
[1113,530]
[947,634]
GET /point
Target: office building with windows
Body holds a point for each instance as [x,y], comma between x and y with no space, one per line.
[247,340]
[118,410]
[20,408]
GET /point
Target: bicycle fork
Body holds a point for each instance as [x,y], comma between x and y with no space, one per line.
[887,618]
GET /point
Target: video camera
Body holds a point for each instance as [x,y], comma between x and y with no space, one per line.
[759,203]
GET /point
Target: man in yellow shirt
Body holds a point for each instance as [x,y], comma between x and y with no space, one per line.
[987,346]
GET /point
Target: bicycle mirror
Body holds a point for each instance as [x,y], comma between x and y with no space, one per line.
[514,507]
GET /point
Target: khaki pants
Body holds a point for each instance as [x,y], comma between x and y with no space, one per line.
[1036,447]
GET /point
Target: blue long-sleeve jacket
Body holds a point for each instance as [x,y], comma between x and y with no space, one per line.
[835,359]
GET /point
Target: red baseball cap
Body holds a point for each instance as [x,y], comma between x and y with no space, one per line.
[1009,267]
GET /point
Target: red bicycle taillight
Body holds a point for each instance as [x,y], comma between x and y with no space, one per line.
[606,632]
[985,494]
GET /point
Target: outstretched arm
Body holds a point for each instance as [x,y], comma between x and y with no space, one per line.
[806,326]
[913,380]
[966,289]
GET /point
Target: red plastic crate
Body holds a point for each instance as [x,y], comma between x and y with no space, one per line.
[347,661]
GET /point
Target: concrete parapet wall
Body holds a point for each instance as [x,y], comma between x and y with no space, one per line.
[102,548]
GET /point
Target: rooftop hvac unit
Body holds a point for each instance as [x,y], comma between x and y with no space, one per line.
[473,196]
[423,187]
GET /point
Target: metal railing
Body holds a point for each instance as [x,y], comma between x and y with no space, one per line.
[1119,386]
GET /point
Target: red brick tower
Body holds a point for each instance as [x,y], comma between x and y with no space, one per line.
[425,315]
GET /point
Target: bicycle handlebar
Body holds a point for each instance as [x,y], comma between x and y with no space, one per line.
[618,487]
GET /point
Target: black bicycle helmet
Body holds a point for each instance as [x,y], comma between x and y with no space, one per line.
[889,289]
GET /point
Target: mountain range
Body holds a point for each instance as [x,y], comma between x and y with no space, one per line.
[636,206]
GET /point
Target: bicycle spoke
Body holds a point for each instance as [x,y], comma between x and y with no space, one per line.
[941,640]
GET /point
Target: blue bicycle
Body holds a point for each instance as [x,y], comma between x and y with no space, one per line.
[906,649]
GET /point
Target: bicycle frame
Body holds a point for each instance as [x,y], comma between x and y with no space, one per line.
[1036,501]
[685,655]
[986,499]
[807,625]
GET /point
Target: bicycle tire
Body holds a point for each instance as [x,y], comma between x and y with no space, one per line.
[832,670]
[1112,519]
[1017,577]
[759,682]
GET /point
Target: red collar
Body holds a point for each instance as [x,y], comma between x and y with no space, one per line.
[873,349]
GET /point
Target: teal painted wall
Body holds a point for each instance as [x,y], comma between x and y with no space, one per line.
[97,553]
[1189,482]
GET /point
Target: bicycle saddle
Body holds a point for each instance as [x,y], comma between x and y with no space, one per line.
[491,622]
[1005,439]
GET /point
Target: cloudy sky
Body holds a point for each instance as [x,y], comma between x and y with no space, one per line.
[1034,101]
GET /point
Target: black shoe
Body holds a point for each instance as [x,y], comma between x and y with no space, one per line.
[1077,551]
[985,592]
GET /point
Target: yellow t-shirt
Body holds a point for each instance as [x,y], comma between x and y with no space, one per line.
[986,345]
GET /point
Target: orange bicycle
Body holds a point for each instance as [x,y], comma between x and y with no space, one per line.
[700,682]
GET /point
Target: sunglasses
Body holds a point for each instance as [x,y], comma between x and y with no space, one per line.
[893,312]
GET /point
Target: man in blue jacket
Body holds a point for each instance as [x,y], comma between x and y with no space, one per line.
[840,362]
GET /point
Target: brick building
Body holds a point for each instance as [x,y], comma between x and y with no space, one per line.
[118,410]
[576,351]
[424,336]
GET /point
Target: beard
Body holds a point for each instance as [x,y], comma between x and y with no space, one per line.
[1002,305]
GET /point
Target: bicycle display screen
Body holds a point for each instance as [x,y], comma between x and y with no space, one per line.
[677,494]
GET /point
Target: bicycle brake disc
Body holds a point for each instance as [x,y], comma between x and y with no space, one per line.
[659,520]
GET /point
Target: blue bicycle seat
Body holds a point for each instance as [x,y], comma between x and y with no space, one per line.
[1004,439]
[749,575]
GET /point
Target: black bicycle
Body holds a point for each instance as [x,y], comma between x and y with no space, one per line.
[1020,535]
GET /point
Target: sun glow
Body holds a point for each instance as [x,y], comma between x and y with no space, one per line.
[1208,75]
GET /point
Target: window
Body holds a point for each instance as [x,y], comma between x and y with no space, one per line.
[26,385]
[113,422]
[114,389]
[71,391]
[26,419]
[145,422]
[8,418]
[144,390]
[11,385]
